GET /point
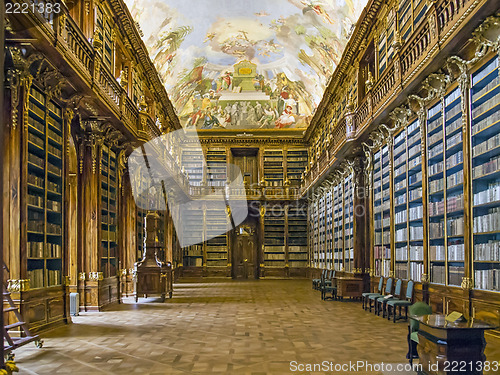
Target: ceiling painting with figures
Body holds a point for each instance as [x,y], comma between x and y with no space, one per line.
[233,64]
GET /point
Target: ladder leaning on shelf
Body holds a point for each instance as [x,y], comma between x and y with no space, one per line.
[11,343]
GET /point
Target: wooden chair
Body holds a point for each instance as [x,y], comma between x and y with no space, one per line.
[417,309]
[395,302]
[329,286]
[381,302]
[388,290]
[365,296]
[316,283]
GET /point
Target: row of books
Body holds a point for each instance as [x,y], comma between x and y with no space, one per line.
[489,222]
[53,169]
[456,252]
[36,225]
[436,185]
[491,194]
[484,123]
[382,252]
[402,253]
[416,271]
[455,275]
[415,194]
[433,139]
[455,226]
[486,106]
[438,274]
[382,267]
[437,252]
[454,140]
[417,253]
[401,235]
[454,179]
[274,256]
[455,203]
[52,134]
[455,124]
[53,205]
[454,159]
[53,228]
[401,270]
[35,200]
[495,79]
[490,143]
[415,149]
[416,213]
[216,255]
[487,251]
[193,262]
[38,161]
[436,168]
[414,178]
[216,262]
[36,140]
[487,279]
[32,122]
[436,208]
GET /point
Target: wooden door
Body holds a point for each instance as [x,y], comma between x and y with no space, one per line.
[248,166]
[245,252]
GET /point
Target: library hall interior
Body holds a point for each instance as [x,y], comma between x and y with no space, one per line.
[240,187]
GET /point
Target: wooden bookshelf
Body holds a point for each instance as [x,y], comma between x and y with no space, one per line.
[274,237]
[273,167]
[381,210]
[193,163]
[44,192]
[485,143]
[296,163]
[109,244]
[297,236]
[348,210]
[329,229]
[216,174]
[338,230]
[216,246]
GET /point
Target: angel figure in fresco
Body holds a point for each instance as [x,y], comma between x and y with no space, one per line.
[318,9]
[286,118]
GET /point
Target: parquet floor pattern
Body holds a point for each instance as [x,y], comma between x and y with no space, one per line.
[221,326]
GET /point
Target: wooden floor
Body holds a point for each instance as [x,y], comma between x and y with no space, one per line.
[221,326]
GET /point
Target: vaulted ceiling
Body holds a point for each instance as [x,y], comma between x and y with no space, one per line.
[234,64]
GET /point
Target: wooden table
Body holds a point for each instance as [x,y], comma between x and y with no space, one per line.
[349,287]
[447,348]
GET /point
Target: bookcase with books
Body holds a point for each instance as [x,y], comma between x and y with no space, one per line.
[445,190]
[216,222]
[109,245]
[297,236]
[408,205]
[329,229]
[296,162]
[193,233]
[381,212]
[348,203]
[338,230]
[485,143]
[193,163]
[44,191]
[140,229]
[273,167]
[274,237]
[313,230]
[216,167]
[322,232]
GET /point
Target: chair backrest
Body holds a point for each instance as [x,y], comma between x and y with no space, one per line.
[418,309]
[323,274]
[409,290]
[329,274]
[380,285]
[388,286]
[399,286]
[333,274]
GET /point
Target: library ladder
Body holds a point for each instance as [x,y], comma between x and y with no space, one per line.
[25,336]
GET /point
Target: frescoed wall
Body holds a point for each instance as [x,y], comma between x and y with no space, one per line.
[237,64]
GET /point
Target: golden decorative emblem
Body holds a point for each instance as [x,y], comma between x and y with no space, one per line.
[245,71]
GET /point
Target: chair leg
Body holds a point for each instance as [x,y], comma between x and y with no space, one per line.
[406,313]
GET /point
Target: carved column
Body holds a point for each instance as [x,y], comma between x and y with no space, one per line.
[90,216]
[359,217]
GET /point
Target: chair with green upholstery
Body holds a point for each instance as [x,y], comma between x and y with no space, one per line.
[328,286]
[316,283]
[417,309]
[373,297]
[381,302]
[365,296]
[395,302]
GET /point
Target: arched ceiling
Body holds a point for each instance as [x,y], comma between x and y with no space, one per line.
[234,64]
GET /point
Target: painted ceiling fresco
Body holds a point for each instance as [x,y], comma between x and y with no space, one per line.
[234,64]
